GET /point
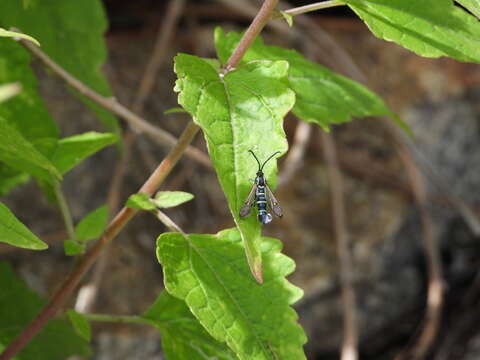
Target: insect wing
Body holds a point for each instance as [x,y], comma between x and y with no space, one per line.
[247,205]
[273,203]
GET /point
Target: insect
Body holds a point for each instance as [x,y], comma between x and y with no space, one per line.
[261,195]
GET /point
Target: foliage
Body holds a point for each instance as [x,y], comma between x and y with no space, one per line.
[18,306]
[211,274]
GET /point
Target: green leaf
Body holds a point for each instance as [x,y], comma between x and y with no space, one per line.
[140,201]
[167,199]
[26,112]
[73,248]
[12,34]
[72,33]
[471,5]
[239,111]
[183,338]
[13,232]
[8,91]
[211,274]
[18,306]
[19,153]
[80,324]
[92,225]
[72,150]
[322,96]
[430,28]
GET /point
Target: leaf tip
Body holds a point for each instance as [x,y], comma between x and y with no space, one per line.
[257,272]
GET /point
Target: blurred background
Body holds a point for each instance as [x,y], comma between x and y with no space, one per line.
[438,98]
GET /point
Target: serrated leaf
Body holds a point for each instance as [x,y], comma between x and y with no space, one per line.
[471,5]
[140,201]
[13,232]
[18,306]
[19,153]
[73,248]
[92,225]
[8,91]
[210,273]
[430,28]
[183,338]
[167,199]
[76,41]
[322,96]
[239,111]
[12,34]
[72,150]
[80,324]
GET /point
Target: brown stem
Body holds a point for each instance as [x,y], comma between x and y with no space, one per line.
[253,30]
[159,135]
[84,263]
[350,331]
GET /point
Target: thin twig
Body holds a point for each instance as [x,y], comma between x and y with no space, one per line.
[311,7]
[124,319]
[88,292]
[64,210]
[258,23]
[161,136]
[295,155]
[431,322]
[169,223]
[85,262]
[350,331]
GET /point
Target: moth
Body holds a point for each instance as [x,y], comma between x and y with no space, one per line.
[262,196]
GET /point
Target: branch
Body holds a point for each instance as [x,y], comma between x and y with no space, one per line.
[86,261]
[350,331]
[160,136]
[258,23]
[64,210]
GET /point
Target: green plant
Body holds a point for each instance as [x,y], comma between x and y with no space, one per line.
[228,288]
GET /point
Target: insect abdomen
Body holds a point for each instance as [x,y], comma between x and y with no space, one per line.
[263,216]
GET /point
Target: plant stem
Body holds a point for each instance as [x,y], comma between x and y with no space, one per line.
[125,319]
[64,209]
[312,7]
[84,263]
[258,23]
[159,135]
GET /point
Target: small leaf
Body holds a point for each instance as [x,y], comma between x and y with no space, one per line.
[8,91]
[238,111]
[80,324]
[13,34]
[140,201]
[18,307]
[73,248]
[167,199]
[174,110]
[183,337]
[92,225]
[13,232]
[72,150]
[19,153]
[471,5]
[430,28]
[288,18]
[322,96]
[210,273]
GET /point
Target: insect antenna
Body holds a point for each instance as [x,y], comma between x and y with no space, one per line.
[271,156]
[258,162]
